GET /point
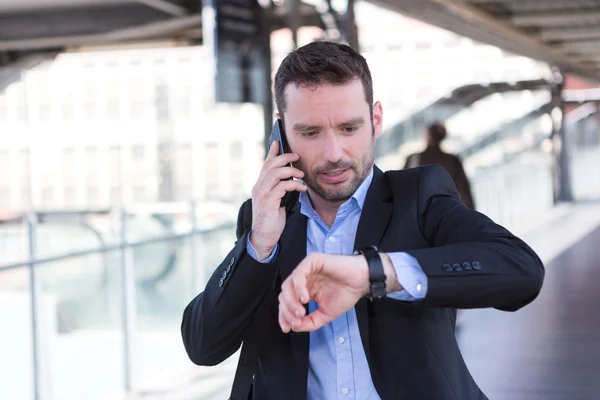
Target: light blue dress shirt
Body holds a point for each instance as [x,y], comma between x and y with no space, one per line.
[338,367]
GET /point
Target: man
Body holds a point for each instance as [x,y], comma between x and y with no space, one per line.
[433,154]
[292,283]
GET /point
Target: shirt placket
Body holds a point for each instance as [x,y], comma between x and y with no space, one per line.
[341,333]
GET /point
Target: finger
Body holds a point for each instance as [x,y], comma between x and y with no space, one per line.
[299,282]
[279,160]
[290,296]
[273,150]
[273,164]
[276,175]
[312,322]
[286,314]
[284,187]
[285,326]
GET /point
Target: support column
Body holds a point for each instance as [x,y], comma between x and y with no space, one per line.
[293,21]
[562,175]
[267,14]
[351,29]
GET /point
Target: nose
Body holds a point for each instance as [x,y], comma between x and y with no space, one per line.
[332,150]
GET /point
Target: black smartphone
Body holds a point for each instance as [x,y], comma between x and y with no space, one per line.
[278,134]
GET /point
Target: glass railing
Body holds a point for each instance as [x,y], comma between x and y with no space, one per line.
[107,302]
[513,179]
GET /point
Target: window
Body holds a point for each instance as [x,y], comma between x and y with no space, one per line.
[67,111]
[114,164]
[113,110]
[4,197]
[212,191]
[45,112]
[183,164]
[93,197]
[115,194]
[26,195]
[47,197]
[24,166]
[91,163]
[4,166]
[184,193]
[185,101]
[89,109]
[138,108]
[139,194]
[162,102]
[138,153]
[2,109]
[69,163]
[70,199]
[236,150]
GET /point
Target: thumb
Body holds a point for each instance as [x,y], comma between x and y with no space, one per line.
[312,322]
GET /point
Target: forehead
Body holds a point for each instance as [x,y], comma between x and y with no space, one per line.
[324,101]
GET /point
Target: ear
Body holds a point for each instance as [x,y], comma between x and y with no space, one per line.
[377,119]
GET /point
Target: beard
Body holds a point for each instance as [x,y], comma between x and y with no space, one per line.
[342,191]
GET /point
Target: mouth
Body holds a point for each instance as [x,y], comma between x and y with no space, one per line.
[335,176]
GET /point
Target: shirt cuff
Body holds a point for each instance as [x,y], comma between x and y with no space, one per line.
[250,250]
[410,276]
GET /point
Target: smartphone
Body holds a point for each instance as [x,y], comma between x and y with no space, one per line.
[278,134]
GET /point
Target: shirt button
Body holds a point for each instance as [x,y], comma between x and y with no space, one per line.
[419,287]
[345,391]
[331,239]
[341,339]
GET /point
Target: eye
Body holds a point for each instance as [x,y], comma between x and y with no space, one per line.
[350,129]
[310,134]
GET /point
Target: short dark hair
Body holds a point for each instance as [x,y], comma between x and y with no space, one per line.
[437,132]
[320,63]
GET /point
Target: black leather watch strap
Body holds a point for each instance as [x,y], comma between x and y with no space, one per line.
[376,274]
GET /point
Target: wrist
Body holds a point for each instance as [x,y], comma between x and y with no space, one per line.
[262,251]
[365,277]
[391,279]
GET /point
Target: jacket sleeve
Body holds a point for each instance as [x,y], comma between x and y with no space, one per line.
[214,322]
[474,262]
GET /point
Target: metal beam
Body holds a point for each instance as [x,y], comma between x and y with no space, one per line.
[493,1]
[469,21]
[143,32]
[562,34]
[166,7]
[76,21]
[556,18]
[590,46]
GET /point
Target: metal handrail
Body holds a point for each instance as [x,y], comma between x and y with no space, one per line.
[120,246]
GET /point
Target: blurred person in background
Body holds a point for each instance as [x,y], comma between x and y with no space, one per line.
[433,154]
[352,293]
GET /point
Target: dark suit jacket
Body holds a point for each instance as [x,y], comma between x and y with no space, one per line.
[470,262]
[451,163]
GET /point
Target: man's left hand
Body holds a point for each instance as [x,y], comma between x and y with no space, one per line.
[335,282]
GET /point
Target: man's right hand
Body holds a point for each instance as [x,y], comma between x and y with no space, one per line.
[268,217]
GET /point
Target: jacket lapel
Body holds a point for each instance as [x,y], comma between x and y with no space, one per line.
[292,252]
[374,220]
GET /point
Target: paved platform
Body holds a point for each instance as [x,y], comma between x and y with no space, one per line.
[549,350]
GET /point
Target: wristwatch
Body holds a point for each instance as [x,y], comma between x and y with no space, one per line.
[376,274]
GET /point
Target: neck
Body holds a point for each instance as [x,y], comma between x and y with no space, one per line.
[326,209]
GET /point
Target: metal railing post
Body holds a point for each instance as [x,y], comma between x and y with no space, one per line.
[34,292]
[128,303]
[195,276]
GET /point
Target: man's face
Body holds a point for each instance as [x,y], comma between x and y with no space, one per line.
[331,129]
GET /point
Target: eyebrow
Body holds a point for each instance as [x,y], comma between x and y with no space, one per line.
[305,127]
